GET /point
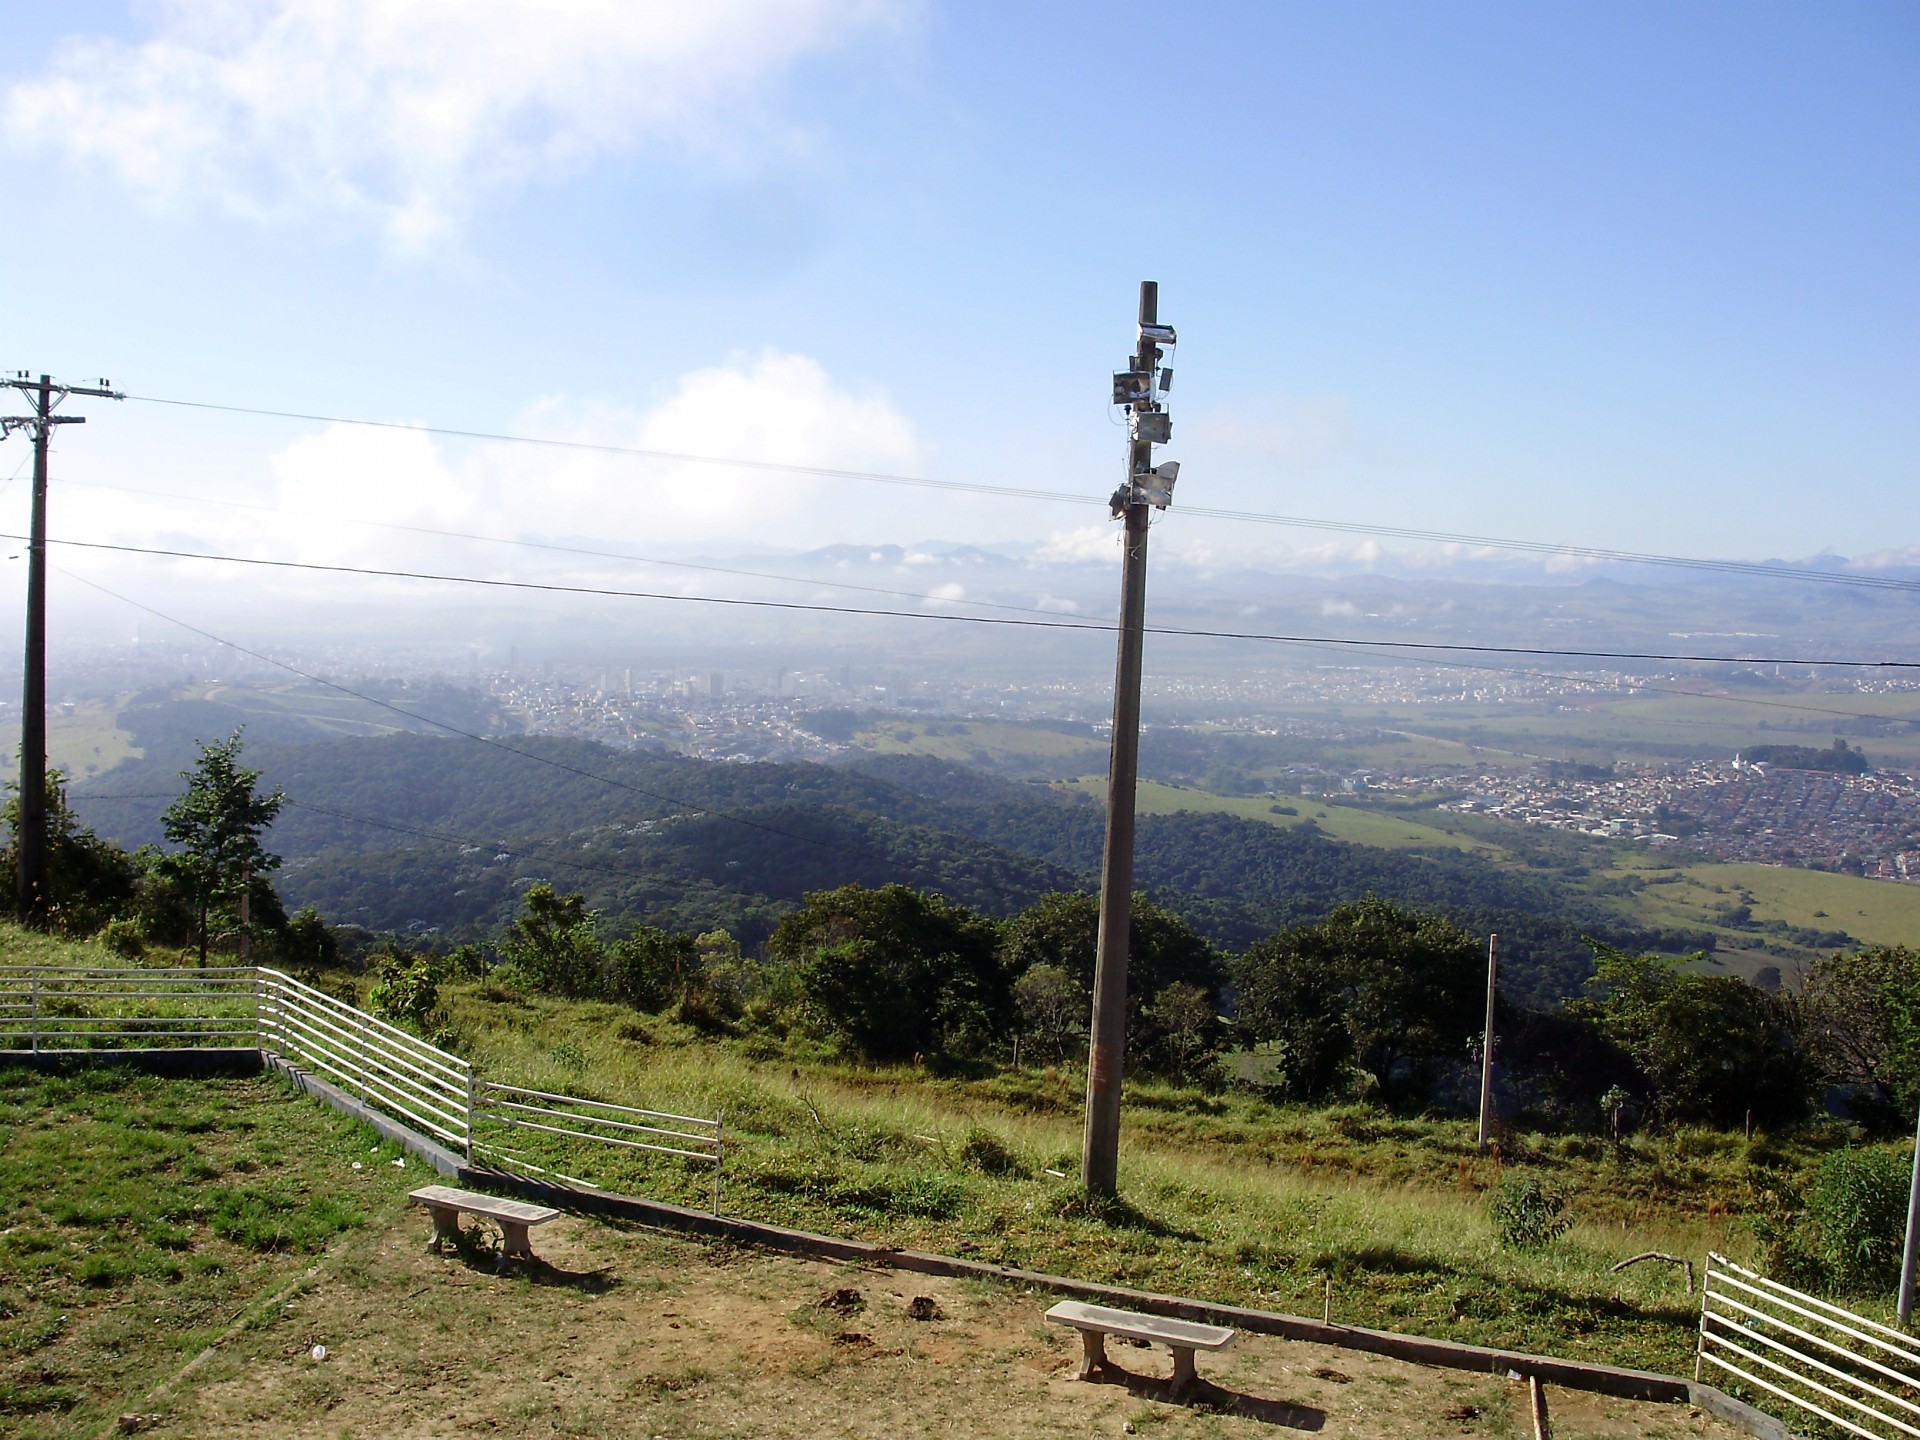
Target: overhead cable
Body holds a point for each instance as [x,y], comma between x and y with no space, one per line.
[814,607]
[1351,527]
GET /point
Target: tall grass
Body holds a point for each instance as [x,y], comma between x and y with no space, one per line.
[1382,1218]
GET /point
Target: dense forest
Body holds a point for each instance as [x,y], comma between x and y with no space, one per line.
[417,834]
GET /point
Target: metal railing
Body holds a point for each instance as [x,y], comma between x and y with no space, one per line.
[379,1064]
[66,1007]
[434,1092]
[597,1122]
[1854,1373]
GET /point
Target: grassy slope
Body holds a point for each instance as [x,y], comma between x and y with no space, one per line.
[1228,1197]
[1225,1196]
[139,1218]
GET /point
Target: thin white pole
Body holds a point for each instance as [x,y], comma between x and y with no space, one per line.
[1486,1041]
[1907,1253]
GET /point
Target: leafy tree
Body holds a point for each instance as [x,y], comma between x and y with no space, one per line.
[651,969]
[1062,929]
[1186,1031]
[217,823]
[896,973]
[1860,1015]
[1708,1047]
[1053,1008]
[308,940]
[89,880]
[552,940]
[1372,985]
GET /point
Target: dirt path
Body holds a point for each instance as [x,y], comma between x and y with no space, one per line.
[634,1333]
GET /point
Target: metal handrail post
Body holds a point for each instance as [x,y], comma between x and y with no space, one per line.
[472,1107]
[718,1151]
[34,982]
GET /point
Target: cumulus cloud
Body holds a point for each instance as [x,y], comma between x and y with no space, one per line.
[406,113]
[776,408]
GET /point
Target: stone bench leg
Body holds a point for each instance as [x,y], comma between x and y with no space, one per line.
[446,1228]
[514,1244]
[1182,1371]
[1093,1353]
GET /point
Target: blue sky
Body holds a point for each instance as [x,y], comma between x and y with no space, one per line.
[1637,276]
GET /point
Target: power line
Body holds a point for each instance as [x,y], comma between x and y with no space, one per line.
[581,550]
[811,607]
[1349,527]
[638,452]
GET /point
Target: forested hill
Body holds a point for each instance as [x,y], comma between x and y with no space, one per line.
[412,833]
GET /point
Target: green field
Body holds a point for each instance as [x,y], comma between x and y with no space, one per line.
[1879,912]
[83,740]
[1000,746]
[1340,822]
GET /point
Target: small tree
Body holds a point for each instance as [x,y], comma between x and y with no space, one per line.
[1373,985]
[552,940]
[217,823]
[1053,1008]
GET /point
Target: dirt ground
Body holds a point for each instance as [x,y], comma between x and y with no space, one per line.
[628,1332]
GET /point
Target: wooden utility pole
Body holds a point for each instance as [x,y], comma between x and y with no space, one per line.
[1486,1042]
[30,836]
[1137,388]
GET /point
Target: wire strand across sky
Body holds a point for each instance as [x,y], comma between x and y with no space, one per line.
[1344,642]
[1350,527]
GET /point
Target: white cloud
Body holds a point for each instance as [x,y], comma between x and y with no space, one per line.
[406,113]
[775,409]
[1088,542]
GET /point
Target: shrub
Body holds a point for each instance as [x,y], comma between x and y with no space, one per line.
[1527,1215]
[1856,1216]
[985,1153]
[406,992]
[124,937]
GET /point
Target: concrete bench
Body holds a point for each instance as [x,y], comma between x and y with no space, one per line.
[445,1203]
[1096,1322]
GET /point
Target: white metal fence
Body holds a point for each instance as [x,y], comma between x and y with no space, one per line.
[432,1091]
[379,1064]
[64,1007]
[510,1107]
[1855,1374]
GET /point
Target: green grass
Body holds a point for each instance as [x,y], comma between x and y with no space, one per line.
[1227,1196]
[139,1218]
[84,741]
[1340,822]
[993,745]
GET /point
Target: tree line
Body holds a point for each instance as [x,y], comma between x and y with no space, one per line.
[1376,999]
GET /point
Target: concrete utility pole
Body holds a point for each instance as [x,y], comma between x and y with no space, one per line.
[31,836]
[1138,388]
[1486,1042]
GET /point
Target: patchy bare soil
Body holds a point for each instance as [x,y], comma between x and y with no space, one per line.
[627,1332]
